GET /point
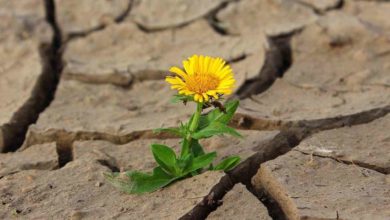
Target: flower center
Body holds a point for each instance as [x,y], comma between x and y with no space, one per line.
[201,83]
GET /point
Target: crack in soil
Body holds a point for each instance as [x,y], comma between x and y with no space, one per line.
[160,74]
[342,121]
[245,121]
[282,143]
[210,17]
[361,164]
[148,30]
[110,165]
[10,174]
[285,141]
[64,151]
[148,74]
[273,208]
[14,132]
[65,139]
[61,135]
[79,34]
[278,60]
[338,6]
[214,22]
[240,121]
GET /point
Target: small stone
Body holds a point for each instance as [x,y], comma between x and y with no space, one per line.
[76,215]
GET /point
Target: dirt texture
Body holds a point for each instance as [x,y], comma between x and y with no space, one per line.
[288,104]
[177,14]
[239,203]
[76,17]
[17,78]
[102,57]
[273,17]
[87,111]
[308,187]
[367,145]
[362,64]
[82,89]
[79,191]
[22,28]
[313,88]
[320,6]
[30,159]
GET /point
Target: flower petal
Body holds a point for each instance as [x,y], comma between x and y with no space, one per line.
[178,71]
[206,97]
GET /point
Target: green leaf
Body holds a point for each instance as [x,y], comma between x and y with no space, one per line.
[181,98]
[185,147]
[176,99]
[194,173]
[185,162]
[149,183]
[200,162]
[116,181]
[215,128]
[197,149]
[219,116]
[230,108]
[175,131]
[166,158]
[181,131]
[191,118]
[228,163]
[138,182]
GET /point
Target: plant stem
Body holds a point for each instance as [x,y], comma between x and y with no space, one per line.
[186,147]
[195,121]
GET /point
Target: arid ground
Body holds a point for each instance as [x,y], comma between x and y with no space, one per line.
[82,89]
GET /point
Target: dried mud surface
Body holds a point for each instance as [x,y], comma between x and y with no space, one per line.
[82,89]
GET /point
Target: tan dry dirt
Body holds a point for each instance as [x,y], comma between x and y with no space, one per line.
[111,96]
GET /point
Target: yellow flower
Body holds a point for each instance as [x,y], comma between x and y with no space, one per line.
[203,77]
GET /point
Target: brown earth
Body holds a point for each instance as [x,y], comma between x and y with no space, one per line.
[82,89]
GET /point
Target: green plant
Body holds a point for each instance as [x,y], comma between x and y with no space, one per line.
[192,159]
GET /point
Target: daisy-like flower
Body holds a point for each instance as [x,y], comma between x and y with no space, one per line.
[203,77]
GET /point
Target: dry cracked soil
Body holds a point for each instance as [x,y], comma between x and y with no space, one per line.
[82,88]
